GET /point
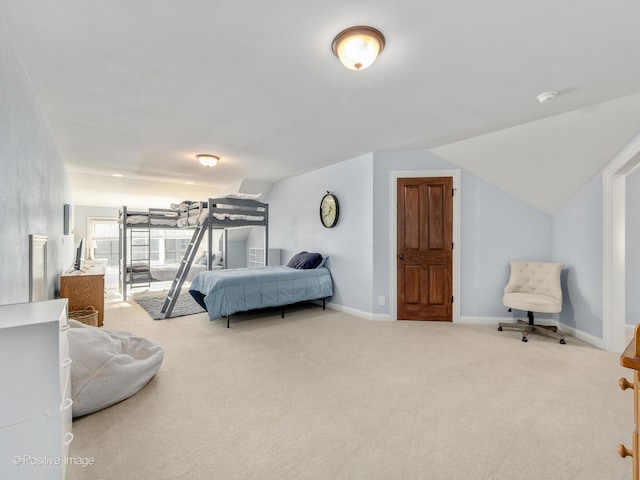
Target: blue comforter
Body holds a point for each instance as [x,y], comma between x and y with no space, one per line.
[225,292]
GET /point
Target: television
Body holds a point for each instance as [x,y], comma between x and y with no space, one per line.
[79,255]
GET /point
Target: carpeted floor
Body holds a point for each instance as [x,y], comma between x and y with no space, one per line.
[152,302]
[324,395]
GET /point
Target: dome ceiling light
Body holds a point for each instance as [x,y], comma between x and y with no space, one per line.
[358,47]
[207,160]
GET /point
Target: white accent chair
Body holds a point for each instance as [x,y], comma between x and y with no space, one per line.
[533,287]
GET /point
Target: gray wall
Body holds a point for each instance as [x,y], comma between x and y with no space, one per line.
[495,227]
[295,225]
[33,186]
[632,248]
[577,242]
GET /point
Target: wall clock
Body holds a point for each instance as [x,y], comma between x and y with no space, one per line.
[329,210]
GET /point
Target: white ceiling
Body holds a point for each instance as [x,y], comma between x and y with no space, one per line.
[139,87]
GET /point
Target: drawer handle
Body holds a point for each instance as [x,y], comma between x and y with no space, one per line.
[65,327]
[624,383]
[66,405]
[624,451]
[69,439]
[66,362]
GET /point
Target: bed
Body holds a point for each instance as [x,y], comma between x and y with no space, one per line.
[225,292]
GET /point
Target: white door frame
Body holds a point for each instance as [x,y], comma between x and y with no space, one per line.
[393,239]
[613,248]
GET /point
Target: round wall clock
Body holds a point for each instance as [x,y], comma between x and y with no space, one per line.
[329,210]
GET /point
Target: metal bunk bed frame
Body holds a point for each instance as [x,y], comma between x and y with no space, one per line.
[220,206]
[126,236]
[225,207]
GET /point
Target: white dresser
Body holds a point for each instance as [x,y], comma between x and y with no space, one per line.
[35,398]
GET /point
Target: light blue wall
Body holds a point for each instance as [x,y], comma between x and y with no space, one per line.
[495,227]
[577,242]
[33,185]
[295,225]
[632,248]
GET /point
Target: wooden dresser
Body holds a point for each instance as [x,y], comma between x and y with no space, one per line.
[631,359]
[84,289]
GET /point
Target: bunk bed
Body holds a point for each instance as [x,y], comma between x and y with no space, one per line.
[135,241]
[232,211]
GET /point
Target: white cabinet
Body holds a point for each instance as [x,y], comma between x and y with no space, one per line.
[256,257]
[35,404]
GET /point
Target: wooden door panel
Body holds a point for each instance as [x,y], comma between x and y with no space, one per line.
[436,284]
[435,220]
[425,233]
[412,231]
[412,284]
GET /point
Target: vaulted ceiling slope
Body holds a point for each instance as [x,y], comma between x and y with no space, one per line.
[139,88]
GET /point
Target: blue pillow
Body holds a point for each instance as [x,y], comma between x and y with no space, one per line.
[305,260]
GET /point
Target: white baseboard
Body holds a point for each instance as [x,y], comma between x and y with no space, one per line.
[359,313]
[580,335]
[483,320]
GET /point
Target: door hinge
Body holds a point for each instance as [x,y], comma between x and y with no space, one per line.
[451,298]
[452,245]
[453,192]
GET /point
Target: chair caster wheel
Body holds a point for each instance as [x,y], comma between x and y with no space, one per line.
[562,342]
[525,339]
[499,329]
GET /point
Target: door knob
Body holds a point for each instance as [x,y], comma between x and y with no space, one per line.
[401,256]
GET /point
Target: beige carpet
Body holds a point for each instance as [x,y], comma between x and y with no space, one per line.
[324,395]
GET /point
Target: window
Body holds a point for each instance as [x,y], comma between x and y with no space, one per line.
[104,232]
[157,246]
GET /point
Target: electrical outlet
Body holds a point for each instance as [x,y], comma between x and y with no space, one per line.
[382,300]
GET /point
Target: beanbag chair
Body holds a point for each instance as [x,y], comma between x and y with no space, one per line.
[108,366]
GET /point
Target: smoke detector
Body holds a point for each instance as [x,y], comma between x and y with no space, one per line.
[546,96]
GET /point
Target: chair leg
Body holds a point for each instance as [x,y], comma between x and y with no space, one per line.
[529,327]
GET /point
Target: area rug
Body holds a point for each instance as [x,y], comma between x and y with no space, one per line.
[152,302]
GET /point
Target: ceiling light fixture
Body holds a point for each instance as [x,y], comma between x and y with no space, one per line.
[207,160]
[358,47]
[117,175]
[546,96]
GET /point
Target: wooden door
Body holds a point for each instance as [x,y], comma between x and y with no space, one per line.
[425,248]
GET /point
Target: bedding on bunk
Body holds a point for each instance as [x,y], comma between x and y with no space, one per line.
[200,215]
[195,213]
[166,273]
[226,292]
[140,219]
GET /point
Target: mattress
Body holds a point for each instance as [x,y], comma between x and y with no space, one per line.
[226,292]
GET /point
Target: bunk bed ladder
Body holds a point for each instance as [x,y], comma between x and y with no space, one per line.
[183,269]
